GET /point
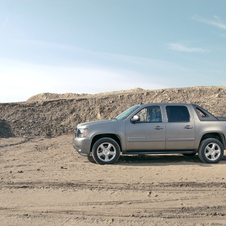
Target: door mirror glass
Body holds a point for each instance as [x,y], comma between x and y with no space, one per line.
[135,118]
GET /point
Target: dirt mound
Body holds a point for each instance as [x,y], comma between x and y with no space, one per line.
[55,96]
[52,115]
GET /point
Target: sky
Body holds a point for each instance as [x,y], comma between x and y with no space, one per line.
[93,46]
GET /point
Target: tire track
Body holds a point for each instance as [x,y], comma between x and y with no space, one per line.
[116,186]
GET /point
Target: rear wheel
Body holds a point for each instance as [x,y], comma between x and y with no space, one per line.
[106,151]
[211,150]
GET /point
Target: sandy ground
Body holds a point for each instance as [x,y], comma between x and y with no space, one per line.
[45,182]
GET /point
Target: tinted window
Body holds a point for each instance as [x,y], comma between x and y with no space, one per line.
[177,114]
[150,114]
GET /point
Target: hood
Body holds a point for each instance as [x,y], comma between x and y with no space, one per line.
[86,124]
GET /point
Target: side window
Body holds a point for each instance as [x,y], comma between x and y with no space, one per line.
[150,114]
[201,113]
[177,114]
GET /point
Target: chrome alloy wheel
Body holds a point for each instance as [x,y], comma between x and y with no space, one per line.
[106,152]
[212,151]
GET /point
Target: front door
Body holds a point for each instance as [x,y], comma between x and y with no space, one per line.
[148,133]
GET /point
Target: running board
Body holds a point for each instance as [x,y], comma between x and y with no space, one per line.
[159,152]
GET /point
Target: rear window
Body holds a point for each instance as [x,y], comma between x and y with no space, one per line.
[177,114]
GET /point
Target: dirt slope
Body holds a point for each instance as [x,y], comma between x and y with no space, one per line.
[52,115]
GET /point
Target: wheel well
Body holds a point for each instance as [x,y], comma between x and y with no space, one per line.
[112,136]
[217,136]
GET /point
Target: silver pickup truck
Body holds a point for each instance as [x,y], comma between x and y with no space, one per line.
[154,129]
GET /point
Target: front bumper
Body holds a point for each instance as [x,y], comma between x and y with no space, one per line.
[82,145]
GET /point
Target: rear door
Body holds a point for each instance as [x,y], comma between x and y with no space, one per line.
[148,133]
[180,129]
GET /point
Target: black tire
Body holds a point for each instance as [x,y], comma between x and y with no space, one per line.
[106,151]
[211,150]
[189,154]
[90,158]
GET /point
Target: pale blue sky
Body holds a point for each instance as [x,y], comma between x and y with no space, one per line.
[92,46]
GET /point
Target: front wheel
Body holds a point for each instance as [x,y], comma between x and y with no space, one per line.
[211,150]
[106,151]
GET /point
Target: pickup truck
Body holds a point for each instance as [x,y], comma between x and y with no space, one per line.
[154,128]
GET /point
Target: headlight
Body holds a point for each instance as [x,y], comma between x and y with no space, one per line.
[82,132]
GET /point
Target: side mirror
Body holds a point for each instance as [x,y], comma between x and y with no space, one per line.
[135,118]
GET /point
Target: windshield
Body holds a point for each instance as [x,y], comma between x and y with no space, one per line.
[127,112]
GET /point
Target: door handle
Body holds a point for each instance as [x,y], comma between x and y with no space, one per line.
[188,127]
[158,127]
